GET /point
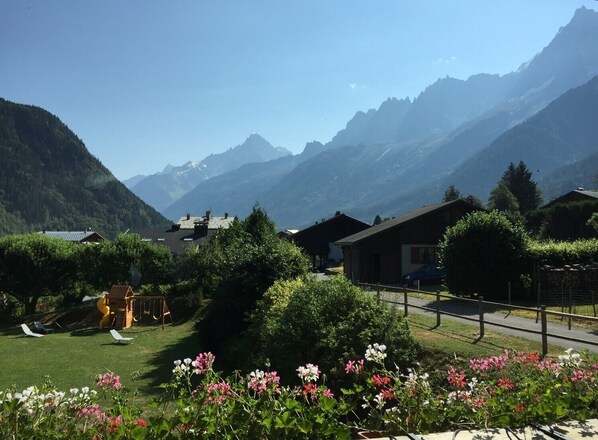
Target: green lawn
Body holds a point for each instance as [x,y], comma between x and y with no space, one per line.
[73,358]
[457,339]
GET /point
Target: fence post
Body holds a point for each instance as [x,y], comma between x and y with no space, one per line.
[438,308]
[509,291]
[538,303]
[570,307]
[481,304]
[405,300]
[378,292]
[593,302]
[417,281]
[544,331]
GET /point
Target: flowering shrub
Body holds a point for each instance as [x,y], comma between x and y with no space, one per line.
[513,389]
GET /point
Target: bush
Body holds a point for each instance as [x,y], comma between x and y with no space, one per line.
[564,221]
[559,254]
[328,321]
[483,252]
[241,263]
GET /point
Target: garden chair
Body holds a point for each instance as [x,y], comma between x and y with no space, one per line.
[118,338]
[42,328]
[28,331]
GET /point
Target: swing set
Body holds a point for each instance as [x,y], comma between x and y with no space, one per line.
[154,307]
[120,308]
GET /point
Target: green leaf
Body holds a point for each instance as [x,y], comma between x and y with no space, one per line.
[305,426]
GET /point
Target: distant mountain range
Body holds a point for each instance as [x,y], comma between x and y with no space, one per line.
[405,153]
[162,189]
[386,161]
[49,181]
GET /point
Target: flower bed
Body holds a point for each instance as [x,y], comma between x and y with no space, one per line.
[513,389]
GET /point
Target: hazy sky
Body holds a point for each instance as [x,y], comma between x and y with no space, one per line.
[148,83]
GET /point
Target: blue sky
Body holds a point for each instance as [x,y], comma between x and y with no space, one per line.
[148,83]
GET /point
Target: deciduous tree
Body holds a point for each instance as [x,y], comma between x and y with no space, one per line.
[34,265]
[502,199]
[483,252]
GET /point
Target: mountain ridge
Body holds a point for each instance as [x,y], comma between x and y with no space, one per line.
[418,160]
[162,189]
[49,180]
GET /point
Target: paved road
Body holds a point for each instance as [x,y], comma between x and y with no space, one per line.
[495,321]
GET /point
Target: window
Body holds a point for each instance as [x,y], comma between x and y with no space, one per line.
[423,255]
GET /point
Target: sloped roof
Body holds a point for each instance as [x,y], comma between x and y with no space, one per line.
[336,219]
[398,221]
[76,236]
[119,292]
[315,239]
[174,239]
[215,222]
[578,194]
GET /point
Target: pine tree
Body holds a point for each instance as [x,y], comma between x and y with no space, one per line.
[518,180]
[451,194]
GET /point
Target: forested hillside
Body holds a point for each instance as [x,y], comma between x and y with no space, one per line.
[48,180]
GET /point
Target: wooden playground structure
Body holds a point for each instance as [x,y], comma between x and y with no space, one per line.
[120,308]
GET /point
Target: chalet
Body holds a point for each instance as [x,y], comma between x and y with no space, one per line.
[578,195]
[88,236]
[318,241]
[188,231]
[385,252]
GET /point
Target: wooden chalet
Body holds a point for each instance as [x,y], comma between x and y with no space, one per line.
[578,195]
[385,252]
[318,241]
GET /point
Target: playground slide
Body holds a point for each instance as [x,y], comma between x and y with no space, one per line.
[104,310]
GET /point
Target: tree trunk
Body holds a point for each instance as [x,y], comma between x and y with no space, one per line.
[30,304]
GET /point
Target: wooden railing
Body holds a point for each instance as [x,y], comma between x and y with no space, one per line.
[541,313]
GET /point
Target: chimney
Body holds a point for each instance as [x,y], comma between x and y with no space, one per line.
[208,216]
[226,215]
[200,229]
[188,216]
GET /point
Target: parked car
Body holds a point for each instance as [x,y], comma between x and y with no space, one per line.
[427,274]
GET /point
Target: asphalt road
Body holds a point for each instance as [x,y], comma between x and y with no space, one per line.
[517,326]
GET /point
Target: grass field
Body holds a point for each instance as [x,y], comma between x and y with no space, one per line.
[73,358]
[457,339]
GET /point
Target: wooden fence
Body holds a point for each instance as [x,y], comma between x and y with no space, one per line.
[481,306]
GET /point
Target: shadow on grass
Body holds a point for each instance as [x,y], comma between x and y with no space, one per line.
[460,335]
[162,362]
[454,306]
[87,331]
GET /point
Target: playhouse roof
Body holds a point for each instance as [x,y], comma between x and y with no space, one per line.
[121,292]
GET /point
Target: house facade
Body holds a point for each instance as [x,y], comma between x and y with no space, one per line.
[189,231]
[319,241]
[385,252]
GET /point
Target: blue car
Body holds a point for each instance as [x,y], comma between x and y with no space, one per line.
[427,274]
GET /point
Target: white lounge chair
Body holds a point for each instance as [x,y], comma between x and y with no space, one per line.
[118,338]
[28,331]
